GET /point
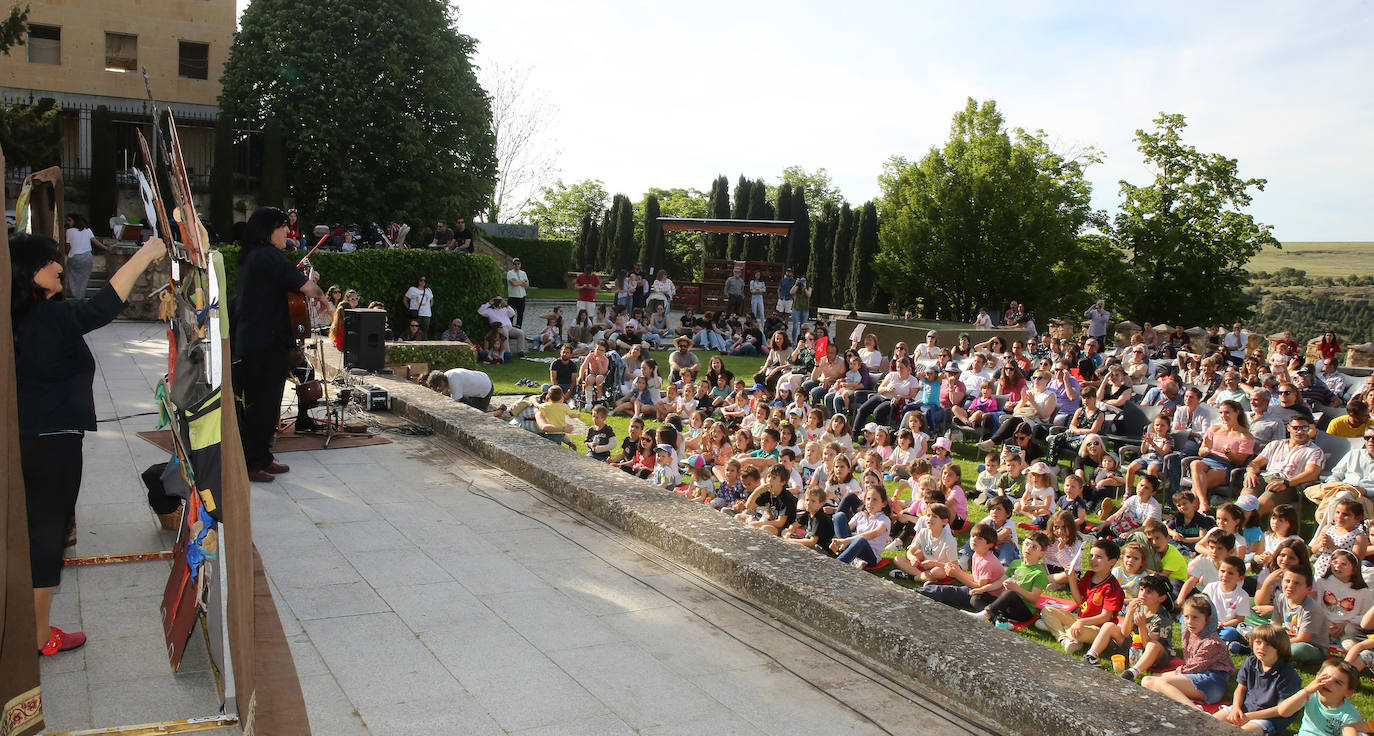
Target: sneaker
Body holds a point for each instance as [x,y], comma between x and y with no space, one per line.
[1130,674]
[1091,660]
[859,563]
[1072,648]
[61,641]
[1040,625]
[902,575]
[1108,506]
[895,544]
[981,615]
[986,445]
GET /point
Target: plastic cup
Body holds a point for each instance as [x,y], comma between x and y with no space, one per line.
[1119,663]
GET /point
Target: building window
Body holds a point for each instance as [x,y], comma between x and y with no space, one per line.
[45,44]
[193,60]
[121,52]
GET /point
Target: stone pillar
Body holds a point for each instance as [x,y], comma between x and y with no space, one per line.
[1197,340]
[1125,330]
[1360,356]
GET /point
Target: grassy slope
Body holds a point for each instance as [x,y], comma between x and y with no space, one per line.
[1318,259]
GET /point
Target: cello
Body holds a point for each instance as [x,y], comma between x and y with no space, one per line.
[298,307]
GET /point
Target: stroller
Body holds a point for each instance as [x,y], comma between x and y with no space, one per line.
[610,393]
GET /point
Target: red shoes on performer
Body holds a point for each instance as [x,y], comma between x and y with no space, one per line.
[269,473]
[277,468]
[61,641]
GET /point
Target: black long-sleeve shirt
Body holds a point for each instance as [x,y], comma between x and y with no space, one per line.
[53,365]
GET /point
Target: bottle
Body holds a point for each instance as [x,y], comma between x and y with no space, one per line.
[1136,649]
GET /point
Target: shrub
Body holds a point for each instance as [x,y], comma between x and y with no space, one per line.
[546,261]
[440,356]
[461,282]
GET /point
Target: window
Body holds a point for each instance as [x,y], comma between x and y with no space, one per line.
[121,52]
[193,60]
[45,44]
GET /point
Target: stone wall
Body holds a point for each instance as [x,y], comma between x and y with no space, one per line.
[140,307]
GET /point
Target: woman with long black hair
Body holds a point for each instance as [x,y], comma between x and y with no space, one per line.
[262,339]
[54,370]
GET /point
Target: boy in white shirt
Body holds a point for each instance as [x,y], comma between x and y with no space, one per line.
[1215,546]
[932,547]
[1230,601]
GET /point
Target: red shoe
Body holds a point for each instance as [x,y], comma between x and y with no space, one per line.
[261,476]
[277,468]
[60,641]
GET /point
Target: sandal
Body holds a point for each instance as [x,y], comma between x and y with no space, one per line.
[61,641]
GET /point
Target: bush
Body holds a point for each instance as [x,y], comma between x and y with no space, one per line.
[546,261]
[440,356]
[461,282]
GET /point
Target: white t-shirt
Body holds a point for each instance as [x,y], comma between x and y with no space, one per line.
[515,292]
[940,549]
[1228,605]
[463,382]
[1139,512]
[80,240]
[421,300]
[903,387]
[973,382]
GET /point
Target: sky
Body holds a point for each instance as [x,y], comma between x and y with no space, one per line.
[671,95]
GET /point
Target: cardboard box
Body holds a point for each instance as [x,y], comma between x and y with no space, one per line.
[410,371]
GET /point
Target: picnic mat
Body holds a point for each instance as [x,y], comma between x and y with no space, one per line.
[287,440]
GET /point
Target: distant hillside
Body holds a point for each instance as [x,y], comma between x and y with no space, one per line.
[1318,259]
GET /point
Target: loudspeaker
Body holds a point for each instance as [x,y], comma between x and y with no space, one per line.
[365,339]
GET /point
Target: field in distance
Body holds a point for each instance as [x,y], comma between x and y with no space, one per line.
[1318,259]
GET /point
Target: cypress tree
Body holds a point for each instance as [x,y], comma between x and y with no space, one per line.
[104,191]
[840,258]
[649,254]
[585,236]
[272,180]
[818,267]
[740,211]
[756,246]
[801,238]
[605,247]
[777,245]
[625,246]
[863,287]
[222,177]
[714,245]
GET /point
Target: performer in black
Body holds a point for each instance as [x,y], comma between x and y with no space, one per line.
[262,341]
[54,371]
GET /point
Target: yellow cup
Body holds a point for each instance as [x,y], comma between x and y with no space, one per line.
[1119,663]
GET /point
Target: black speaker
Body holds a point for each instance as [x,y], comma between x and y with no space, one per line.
[365,339]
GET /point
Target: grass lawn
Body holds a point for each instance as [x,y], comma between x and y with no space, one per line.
[1317,258]
[504,376]
[565,294]
[965,454]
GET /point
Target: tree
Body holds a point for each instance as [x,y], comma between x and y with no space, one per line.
[801,232]
[30,135]
[715,245]
[623,248]
[586,238]
[104,155]
[272,177]
[992,215]
[682,252]
[1186,234]
[222,177]
[401,131]
[526,159]
[817,185]
[560,207]
[740,211]
[777,245]
[822,248]
[648,254]
[864,293]
[840,258]
[13,28]
[605,250]
[756,246]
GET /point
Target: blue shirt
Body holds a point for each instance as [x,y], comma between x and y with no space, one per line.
[785,288]
[1267,689]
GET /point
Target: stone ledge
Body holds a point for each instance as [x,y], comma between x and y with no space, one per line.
[997,676]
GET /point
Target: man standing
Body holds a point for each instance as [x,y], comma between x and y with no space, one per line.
[462,240]
[443,237]
[516,282]
[587,283]
[734,291]
[801,306]
[1098,317]
[498,313]
[785,292]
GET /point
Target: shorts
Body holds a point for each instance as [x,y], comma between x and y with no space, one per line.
[1271,726]
[1151,458]
[1211,683]
[1217,463]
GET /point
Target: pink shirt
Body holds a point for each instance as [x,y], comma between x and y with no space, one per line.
[987,568]
[957,502]
[1288,461]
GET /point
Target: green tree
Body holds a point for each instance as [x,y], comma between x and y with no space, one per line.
[104,153]
[648,253]
[740,211]
[222,177]
[561,207]
[682,252]
[822,249]
[1186,233]
[13,28]
[777,245]
[605,249]
[272,177]
[624,248]
[715,245]
[817,185]
[586,239]
[990,216]
[841,259]
[401,131]
[864,292]
[801,232]
[30,134]
[756,246]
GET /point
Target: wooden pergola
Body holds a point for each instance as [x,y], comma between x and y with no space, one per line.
[735,227]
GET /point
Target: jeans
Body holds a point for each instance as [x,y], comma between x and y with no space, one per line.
[957,596]
[1010,606]
[799,317]
[747,348]
[859,548]
[757,303]
[1234,639]
[709,339]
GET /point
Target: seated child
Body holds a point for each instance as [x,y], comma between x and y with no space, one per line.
[666,474]
[1231,602]
[1023,584]
[999,517]
[1303,618]
[1283,525]
[600,436]
[1188,525]
[1216,546]
[1072,501]
[1134,511]
[951,485]
[1265,679]
[1207,665]
[1132,569]
[778,503]
[982,584]
[859,541]
[1039,496]
[1151,618]
[1345,596]
[702,487]
[739,483]
[1330,712]
[1098,597]
[1012,480]
[932,547]
[1345,530]
[1064,557]
[1154,445]
[818,527]
[987,477]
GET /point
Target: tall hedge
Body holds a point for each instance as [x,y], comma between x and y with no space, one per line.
[546,261]
[461,281]
[104,190]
